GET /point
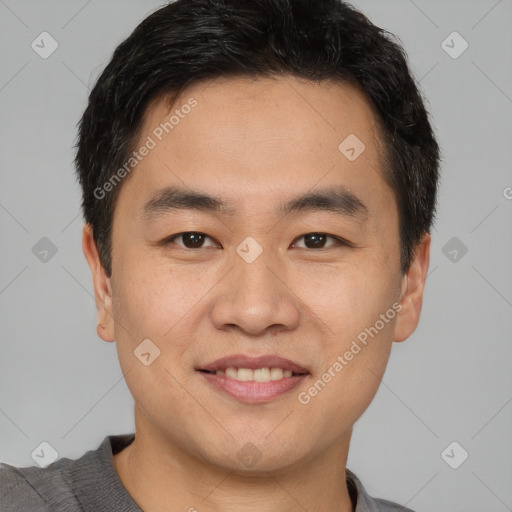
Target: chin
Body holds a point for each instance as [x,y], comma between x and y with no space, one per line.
[257,456]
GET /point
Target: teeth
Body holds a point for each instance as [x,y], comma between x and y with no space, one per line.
[276,373]
[245,374]
[231,373]
[258,375]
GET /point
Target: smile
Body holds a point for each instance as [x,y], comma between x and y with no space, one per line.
[257,375]
[253,380]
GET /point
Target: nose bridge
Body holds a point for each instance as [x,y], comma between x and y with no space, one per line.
[253,275]
[254,296]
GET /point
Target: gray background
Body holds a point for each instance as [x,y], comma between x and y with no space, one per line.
[451,381]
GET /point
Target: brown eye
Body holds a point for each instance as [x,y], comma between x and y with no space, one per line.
[318,240]
[190,239]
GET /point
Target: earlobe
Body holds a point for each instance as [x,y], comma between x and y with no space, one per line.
[413,285]
[102,286]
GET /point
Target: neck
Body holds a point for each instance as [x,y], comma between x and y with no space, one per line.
[315,484]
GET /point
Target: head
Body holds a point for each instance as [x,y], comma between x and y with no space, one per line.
[287,130]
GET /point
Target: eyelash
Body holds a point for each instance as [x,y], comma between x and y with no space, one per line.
[340,242]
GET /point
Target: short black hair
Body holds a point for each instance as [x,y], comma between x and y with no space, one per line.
[191,40]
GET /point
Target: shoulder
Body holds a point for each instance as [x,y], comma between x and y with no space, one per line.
[53,488]
[390,506]
[37,489]
[89,482]
[367,503]
[16,492]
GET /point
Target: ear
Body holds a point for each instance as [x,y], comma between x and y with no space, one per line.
[411,297]
[102,286]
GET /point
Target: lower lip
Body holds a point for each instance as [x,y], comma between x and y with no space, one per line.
[252,392]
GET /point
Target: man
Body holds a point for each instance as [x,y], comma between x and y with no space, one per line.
[259,184]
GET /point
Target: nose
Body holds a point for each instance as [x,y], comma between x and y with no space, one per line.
[256,297]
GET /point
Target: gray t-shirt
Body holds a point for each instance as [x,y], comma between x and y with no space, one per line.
[91,484]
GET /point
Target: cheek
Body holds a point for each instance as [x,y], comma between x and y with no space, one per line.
[355,304]
[346,298]
[151,303]
[151,298]
[160,302]
[346,384]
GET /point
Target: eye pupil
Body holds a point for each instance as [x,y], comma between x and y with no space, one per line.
[196,239]
[315,238]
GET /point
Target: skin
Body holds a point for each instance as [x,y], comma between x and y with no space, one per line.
[254,143]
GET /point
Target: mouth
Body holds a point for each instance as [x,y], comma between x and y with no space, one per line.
[258,375]
[253,379]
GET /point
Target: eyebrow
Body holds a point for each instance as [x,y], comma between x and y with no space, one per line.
[337,199]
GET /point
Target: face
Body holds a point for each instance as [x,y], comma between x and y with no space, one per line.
[292,263]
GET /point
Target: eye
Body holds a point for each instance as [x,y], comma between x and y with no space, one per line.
[196,240]
[191,239]
[317,241]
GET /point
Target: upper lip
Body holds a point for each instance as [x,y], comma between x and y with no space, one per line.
[243,361]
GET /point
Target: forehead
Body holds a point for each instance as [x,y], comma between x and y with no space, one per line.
[235,115]
[245,139]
